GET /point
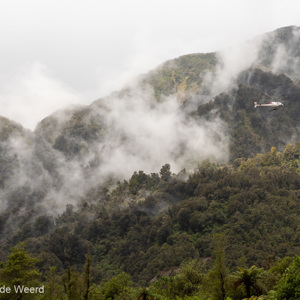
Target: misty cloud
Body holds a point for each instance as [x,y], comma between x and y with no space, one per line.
[144,134]
[286,49]
[276,51]
[138,133]
[125,132]
[232,61]
[32,93]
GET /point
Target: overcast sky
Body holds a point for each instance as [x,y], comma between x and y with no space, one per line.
[57,52]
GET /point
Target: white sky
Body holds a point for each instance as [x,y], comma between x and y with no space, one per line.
[57,52]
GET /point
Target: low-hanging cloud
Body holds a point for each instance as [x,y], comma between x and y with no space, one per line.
[286,59]
[232,61]
[32,93]
[139,133]
[144,134]
[275,52]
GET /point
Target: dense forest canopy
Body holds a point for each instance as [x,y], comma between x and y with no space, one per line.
[174,232]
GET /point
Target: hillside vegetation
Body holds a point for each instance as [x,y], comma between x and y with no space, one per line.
[217,219]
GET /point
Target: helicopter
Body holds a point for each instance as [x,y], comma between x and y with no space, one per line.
[276,104]
[273,105]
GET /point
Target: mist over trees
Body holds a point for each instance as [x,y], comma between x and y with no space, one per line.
[173,188]
[201,234]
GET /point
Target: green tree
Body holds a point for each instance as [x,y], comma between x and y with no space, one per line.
[188,281]
[145,295]
[165,172]
[72,282]
[289,285]
[136,182]
[20,270]
[53,286]
[288,152]
[248,282]
[116,288]
[219,272]
[87,277]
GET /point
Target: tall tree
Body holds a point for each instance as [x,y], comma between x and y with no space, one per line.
[72,282]
[220,272]
[165,172]
[248,281]
[87,276]
[20,271]
[289,285]
[53,286]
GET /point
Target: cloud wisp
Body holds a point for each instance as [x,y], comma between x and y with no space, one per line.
[32,93]
[137,131]
[144,134]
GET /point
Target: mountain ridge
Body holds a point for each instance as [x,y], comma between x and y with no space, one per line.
[179,113]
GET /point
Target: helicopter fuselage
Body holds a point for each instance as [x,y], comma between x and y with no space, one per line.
[273,105]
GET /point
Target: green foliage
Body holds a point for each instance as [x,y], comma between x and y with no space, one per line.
[219,272]
[165,172]
[20,270]
[254,130]
[168,219]
[136,182]
[182,75]
[187,281]
[87,277]
[248,282]
[116,288]
[82,128]
[289,285]
[72,284]
[53,286]
[145,227]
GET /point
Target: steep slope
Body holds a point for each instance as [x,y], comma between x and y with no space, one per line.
[183,75]
[191,80]
[59,185]
[9,128]
[257,130]
[8,159]
[194,107]
[277,51]
[280,51]
[154,222]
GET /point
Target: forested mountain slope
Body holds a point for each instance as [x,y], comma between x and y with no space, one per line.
[215,219]
[68,187]
[252,129]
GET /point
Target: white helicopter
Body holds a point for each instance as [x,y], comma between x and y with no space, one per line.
[273,105]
